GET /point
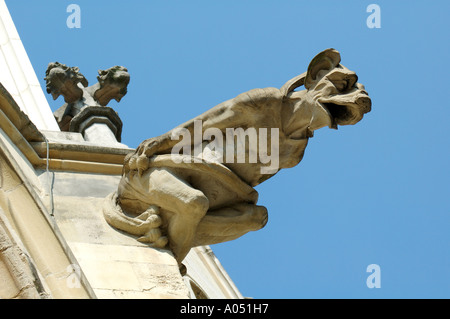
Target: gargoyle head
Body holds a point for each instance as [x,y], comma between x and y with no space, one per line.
[113,84]
[63,80]
[332,91]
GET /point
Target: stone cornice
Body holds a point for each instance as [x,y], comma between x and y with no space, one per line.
[75,156]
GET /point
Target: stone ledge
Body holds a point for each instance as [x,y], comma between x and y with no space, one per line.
[123,253]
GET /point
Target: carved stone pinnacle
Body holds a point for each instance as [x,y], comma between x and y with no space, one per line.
[70,83]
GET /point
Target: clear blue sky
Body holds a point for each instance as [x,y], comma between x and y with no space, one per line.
[373,193]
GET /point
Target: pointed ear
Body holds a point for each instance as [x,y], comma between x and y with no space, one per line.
[325,60]
[292,84]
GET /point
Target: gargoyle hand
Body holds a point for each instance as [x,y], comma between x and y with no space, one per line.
[139,160]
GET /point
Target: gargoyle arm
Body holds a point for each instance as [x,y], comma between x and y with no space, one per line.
[232,113]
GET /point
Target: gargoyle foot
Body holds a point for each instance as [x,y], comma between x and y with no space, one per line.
[153,236]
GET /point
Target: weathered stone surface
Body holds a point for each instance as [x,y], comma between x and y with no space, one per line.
[36,257]
[16,275]
[197,198]
[115,265]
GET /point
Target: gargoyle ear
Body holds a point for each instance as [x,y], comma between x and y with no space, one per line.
[325,60]
[293,83]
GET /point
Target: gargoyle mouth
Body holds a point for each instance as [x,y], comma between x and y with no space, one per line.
[347,113]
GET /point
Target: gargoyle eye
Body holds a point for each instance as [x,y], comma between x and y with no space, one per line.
[343,81]
[341,85]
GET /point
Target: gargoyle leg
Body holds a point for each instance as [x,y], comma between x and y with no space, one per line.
[187,205]
[229,223]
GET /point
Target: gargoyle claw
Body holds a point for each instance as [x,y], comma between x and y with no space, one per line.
[153,235]
[142,164]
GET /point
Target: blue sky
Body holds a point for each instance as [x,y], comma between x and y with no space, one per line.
[373,193]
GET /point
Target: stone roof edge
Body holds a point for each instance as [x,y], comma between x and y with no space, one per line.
[79,157]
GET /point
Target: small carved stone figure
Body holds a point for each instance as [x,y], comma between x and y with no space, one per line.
[63,80]
[175,199]
[112,84]
[69,82]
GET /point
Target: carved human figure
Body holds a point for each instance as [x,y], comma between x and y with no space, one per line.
[70,83]
[63,80]
[170,198]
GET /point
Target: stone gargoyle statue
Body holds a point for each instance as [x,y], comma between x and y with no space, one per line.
[196,197]
[73,86]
